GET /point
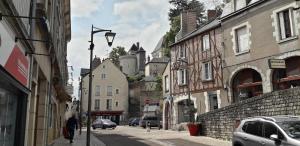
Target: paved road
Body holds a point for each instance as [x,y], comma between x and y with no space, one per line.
[116,138]
[123,140]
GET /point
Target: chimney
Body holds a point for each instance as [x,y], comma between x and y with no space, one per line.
[148,58]
[211,14]
[138,45]
[188,22]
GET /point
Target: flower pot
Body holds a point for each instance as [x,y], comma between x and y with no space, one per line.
[193,129]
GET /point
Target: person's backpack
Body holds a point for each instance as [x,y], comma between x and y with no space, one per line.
[66,133]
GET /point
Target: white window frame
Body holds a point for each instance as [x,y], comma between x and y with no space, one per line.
[295,23]
[97,104]
[182,52]
[97,90]
[108,104]
[182,76]
[109,91]
[103,76]
[282,25]
[206,42]
[210,71]
[234,38]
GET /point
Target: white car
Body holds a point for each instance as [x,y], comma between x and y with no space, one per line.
[268,131]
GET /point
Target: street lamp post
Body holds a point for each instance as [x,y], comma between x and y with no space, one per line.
[110,38]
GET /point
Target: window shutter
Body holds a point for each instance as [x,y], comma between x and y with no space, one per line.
[185,77]
[178,77]
[282,27]
[210,70]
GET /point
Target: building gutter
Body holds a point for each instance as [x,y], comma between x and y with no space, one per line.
[242,10]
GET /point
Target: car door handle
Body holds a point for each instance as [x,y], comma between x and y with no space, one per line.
[245,138]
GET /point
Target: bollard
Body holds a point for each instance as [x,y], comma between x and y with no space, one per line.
[148,126]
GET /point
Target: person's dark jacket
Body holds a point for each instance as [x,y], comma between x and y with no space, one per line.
[72,123]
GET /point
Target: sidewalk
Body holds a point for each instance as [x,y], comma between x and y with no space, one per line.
[79,140]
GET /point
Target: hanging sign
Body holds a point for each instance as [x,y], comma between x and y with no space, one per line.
[277,64]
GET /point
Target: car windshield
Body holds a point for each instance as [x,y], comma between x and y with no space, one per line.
[292,128]
[106,120]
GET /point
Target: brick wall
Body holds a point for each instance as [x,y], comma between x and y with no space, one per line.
[220,123]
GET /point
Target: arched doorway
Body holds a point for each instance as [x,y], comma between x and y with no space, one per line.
[246,83]
[289,77]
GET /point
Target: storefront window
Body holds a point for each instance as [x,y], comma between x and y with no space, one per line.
[246,84]
[8,111]
[289,77]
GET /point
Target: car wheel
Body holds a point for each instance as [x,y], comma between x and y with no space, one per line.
[144,127]
[94,127]
[238,144]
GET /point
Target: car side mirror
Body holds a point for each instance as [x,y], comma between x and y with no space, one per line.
[274,137]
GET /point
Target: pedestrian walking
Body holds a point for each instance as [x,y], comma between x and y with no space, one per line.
[71,126]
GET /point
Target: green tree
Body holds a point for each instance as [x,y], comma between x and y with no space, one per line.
[190,5]
[116,53]
[174,18]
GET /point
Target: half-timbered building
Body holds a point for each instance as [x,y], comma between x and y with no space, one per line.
[196,72]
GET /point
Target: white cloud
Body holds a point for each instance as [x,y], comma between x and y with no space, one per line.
[84,8]
[144,21]
[140,11]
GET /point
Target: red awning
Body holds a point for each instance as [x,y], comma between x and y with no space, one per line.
[246,85]
[290,78]
[106,113]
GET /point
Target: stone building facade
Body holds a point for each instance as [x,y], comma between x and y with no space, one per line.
[245,48]
[134,62]
[109,92]
[33,96]
[250,44]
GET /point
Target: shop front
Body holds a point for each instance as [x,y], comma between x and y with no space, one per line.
[14,69]
[246,83]
[115,116]
[288,77]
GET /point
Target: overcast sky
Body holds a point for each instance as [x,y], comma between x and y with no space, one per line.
[144,21]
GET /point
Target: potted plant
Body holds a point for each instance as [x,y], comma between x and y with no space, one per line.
[192,125]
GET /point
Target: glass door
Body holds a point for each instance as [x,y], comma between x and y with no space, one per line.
[8,112]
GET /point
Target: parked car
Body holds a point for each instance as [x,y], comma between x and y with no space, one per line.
[134,122]
[153,120]
[268,131]
[103,124]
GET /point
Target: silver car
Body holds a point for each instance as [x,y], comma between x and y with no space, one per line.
[103,124]
[268,131]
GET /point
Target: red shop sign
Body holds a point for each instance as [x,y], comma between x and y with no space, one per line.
[17,65]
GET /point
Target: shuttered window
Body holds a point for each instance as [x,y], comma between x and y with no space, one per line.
[242,40]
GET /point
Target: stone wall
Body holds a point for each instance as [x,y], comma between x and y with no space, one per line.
[221,123]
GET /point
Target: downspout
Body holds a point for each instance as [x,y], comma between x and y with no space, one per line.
[32,13]
[49,95]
